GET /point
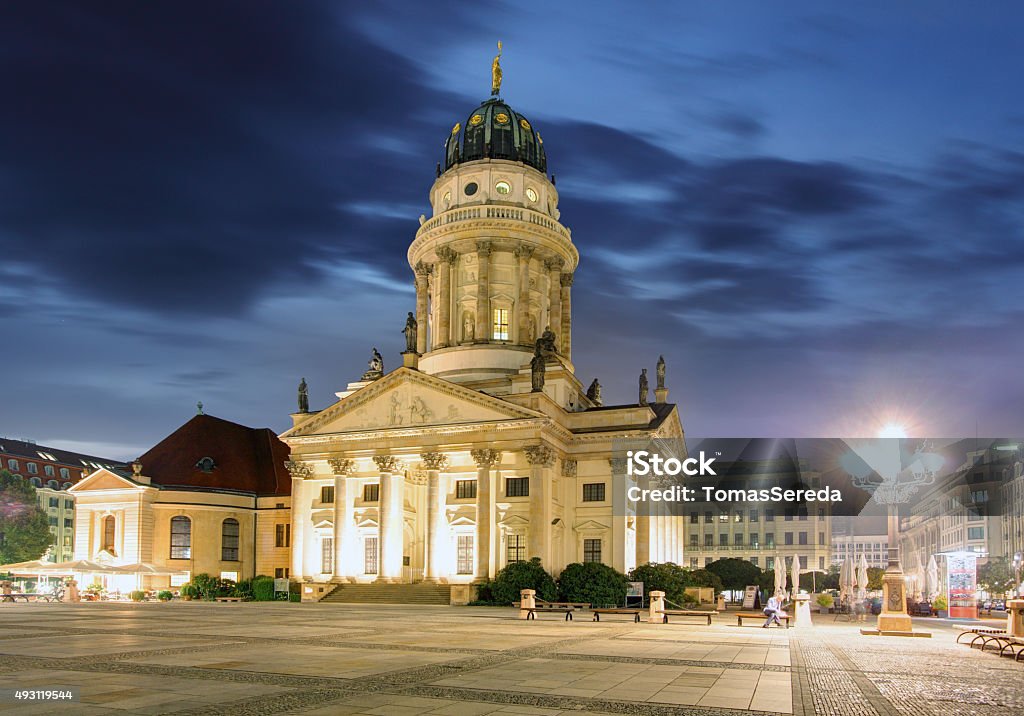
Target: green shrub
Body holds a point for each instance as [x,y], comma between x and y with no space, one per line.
[665,576]
[825,601]
[515,577]
[263,588]
[206,586]
[690,601]
[225,588]
[243,589]
[138,595]
[594,583]
[189,590]
[940,602]
[164,596]
[294,592]
[484,594]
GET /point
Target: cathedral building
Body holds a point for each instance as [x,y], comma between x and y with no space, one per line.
[484,447]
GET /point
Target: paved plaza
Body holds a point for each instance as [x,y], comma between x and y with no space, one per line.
[203,658]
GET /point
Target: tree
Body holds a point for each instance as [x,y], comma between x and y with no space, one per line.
[704,578]
[517,576]
[996,576]
[875,575]
[24,526]
[594,583]
[735,574]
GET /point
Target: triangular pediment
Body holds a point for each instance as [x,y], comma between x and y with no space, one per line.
[514,522]
[589,525]
[407,399]
[103,479]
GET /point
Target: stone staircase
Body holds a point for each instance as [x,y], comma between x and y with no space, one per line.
[421,593]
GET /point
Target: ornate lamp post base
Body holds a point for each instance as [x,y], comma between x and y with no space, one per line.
[894,617]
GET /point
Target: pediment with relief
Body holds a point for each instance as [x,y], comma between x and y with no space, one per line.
[407,399]
[103,479]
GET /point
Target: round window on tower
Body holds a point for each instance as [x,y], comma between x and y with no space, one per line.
[471,188]
[503,187]
[531,194]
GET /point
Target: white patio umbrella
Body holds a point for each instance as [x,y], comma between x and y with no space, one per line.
[920,588]
[862,577]
[144,569]
[794,577]
[846,581]
[933,578]
[780,574]
[29,569]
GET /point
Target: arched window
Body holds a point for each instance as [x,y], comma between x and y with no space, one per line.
[12,464]
[53,484]
[109,526]
[181,537]
[229,540]
[65,473]
[36,482]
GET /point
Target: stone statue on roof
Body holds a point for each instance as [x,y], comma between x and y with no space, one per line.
[303,397]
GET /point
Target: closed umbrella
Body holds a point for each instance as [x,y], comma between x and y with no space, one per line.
[780,574]
[933,578]
[919,582]
[846,581]
[794,576]
[862,577]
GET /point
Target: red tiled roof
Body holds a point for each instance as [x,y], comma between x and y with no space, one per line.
[245,459]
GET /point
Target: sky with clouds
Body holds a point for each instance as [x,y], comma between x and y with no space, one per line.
[814,212]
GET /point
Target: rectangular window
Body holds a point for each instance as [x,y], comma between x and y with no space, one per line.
[789,538]
[769,514]
[517,487]
[12,465]
[65,473]
[802,513]
[975,533]
[181,537]
[32,468]
[753,515]
[327,495]
[53,521]
[755,541]
[54,502]
[370,555]
[821,563]
[723,516]
[769,540]
[68,522]
[694,541]
[591,550]
[279,573]
[233,576]
[769,562]
[694,518]
[803,562]
[327,555]
[515,548]
[738,540]
[499,330]
[694,564]
[803,538]
[789,514]
[464,563]
[709,540]
[593,492]
[48,469]
[738,517]
[821,539]
[465,490]
[723,539]
[821,513]
[371,493]
[708,518]
[229,541]
[753,561]
[707,561]
[283,534]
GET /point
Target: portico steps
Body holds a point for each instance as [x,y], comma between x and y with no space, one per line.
[421,593]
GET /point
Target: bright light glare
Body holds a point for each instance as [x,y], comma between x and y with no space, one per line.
[892,430]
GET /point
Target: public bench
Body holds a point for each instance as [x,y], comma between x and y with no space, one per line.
[687,613]
[27,597]
[983,634]
[634,612]
[1009,643]
[567,610]
[229,599]
[740,616]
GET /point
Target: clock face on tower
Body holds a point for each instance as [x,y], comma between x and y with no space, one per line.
[503,187]
[531,194]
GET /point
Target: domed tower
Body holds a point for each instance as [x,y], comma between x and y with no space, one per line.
[493,265]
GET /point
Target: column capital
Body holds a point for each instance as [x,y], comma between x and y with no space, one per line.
[523,252]
[567,280]
[554,263]
[422,269]
[483,248]
[568,468]
[342,466]
[486,458]
[298,470]
[448,254]
[539,455]
[388,463]
[618,465]
[434,460]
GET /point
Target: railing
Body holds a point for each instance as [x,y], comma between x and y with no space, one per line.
[495,212]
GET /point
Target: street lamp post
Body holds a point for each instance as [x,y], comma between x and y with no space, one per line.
[1018,561]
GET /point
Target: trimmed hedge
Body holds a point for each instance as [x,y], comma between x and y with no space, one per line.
[263,588]
[597,584]
[515,577]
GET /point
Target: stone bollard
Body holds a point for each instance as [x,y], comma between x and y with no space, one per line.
[721,603]
[527,601]
[71,593]
[803,610]
[1015,617]
[655,615]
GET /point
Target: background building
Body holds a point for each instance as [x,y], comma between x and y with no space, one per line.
[874,547]
[52,471]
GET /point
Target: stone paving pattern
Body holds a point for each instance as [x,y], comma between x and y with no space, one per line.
[202,658]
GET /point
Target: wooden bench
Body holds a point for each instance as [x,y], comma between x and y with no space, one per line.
[27,597]
[532,613]
[756,615]
[687,613]
[634,612]
[229,599]
[574,605]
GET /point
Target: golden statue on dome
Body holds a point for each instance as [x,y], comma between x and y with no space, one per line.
[496,73]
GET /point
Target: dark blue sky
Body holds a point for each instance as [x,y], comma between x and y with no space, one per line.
[814,213]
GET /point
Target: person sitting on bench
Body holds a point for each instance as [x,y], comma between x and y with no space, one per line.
[773,610]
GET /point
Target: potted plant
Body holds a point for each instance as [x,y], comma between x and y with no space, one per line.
[137,595]
[189,592]
[164,595]
[941,606]
[825,602]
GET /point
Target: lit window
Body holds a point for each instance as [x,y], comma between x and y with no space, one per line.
[500,328]
[517,487]
[108,533]
[181,537]
[593,492]
[327,494]
[515,548]
[283,534]
[464,563]
[229,540]
[371,493]
[327,555]
[370,556]
[503,187]
[465,490]
[591,550]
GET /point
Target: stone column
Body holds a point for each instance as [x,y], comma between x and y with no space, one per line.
[422,305]
[565,336]
[390,509]
[344,538]
[554,265]
[485,460]
[483,291]
[447,257]
[434,462]
[299,472]
[541,458]
[523,254]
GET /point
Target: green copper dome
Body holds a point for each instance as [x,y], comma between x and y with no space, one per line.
[495,131]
